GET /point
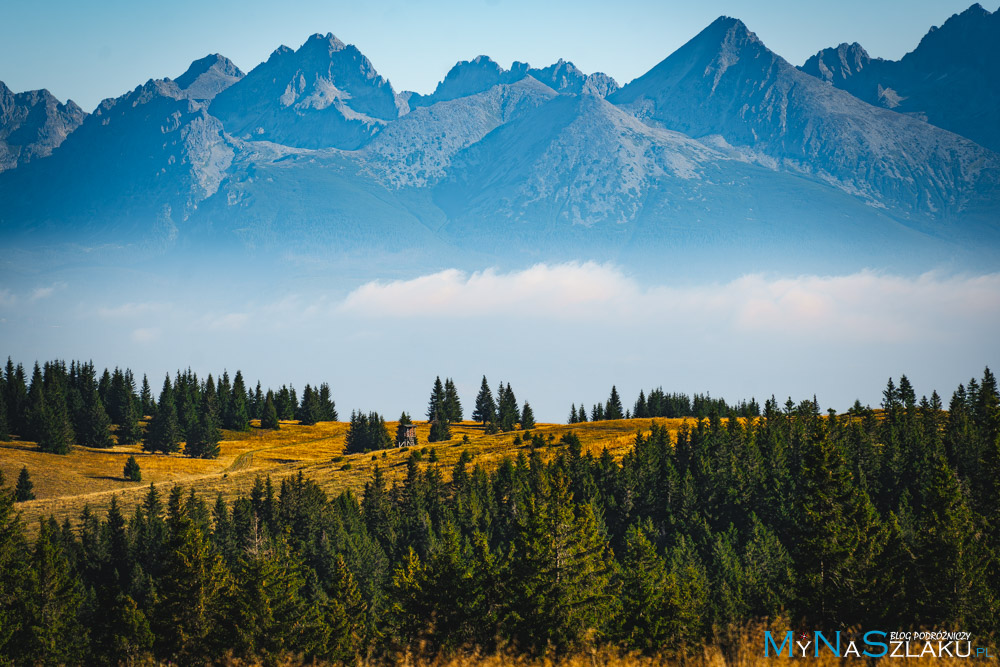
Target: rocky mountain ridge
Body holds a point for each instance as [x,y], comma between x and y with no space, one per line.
[723,143]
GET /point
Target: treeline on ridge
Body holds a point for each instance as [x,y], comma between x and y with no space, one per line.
[65,405]
[830,521]
[661,404]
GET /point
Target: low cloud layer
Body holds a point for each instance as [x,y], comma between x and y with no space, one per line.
[865,306]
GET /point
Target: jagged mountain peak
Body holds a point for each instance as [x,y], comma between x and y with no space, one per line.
[33,123]
[837,64]
[469,77]
[208,76]
[328,40]
[968,38]
[325,94]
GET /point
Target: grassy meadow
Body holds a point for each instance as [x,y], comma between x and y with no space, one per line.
[63,485]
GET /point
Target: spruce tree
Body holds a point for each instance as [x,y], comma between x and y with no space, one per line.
[311,411]
[207,435]
[16,398]
[146,404]
[132,472]
[452,404]
[327,406]
[13,574]
[507,412]
[486,409]
[527,417]
[646,623]
[129,429]
[24,489]
[164,433]
[4,423]
[93,428]
[238,414]
[435,406]
[191,591]
[440,429]
[269,414]
[345,615]
[613,409]
[560,571]
[53,634]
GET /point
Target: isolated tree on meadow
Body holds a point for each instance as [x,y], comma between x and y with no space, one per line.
[24,490]
[527,417]
[132,472]
[486,408]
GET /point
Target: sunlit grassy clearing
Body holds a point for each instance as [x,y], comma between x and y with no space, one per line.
[65,484]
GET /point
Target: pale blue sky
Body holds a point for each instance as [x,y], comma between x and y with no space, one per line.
[87,51]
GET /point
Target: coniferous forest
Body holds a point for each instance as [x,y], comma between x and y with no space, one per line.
[871,518]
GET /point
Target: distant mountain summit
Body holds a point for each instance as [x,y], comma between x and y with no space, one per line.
[471,77]
[208,77]
[726,83]
[952,78]
[325,95]
[33,124]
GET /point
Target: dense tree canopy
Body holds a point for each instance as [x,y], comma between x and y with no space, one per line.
[870,518]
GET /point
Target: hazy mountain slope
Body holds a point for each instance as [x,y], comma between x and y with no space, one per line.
[134,169]
[952,78]
[33,124]
[726,82]
[579,177]
[416,150]
[326,94]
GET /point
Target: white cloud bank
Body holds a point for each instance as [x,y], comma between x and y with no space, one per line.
[864,306]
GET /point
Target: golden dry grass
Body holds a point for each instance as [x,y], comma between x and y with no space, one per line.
[65,484]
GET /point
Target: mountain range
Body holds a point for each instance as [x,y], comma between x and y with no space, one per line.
[722,151]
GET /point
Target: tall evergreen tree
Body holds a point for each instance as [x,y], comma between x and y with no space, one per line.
[507,413]
[311,410]
[4,423]
[560,571]
[486,408]
[13,574]
[440,429]
[52,630]
[93,427]
[435,406]
[452,404]
[327,406]
[527,417]
[205,443]
[164,432]
[613,409]
[269,414]
[238,414]
[129,429]
[146,404]
[24,490]
[191,593]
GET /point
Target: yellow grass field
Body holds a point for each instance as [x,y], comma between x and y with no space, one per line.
[63,485]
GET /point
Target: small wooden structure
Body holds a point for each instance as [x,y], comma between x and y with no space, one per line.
[406,435]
